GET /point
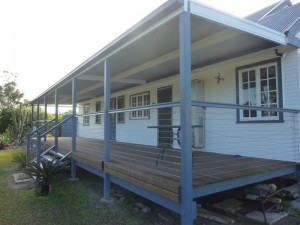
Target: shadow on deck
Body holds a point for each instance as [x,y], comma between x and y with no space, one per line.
[144,167]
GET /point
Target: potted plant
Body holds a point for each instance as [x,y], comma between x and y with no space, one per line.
[45,172]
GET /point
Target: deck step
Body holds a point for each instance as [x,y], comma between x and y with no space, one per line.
[56,154]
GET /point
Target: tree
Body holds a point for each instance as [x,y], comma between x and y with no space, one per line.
[10,96]
[6,115]
[14,111]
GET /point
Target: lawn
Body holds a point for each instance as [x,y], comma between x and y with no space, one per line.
[69,202]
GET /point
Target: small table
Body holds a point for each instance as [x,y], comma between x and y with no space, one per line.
[172,138]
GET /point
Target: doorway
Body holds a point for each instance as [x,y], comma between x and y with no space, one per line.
[164,117]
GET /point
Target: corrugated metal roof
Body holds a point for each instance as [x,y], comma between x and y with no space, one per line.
[281,20]
[259,14]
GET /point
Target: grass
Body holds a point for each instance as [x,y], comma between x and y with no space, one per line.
[69,202]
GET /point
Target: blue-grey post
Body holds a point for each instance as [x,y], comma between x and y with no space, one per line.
[298,185]
[74,125]
[28,148]
[56,120]
[32,116]
[106,191]
[38,115]
[45,115]
[38,149]
[188,206]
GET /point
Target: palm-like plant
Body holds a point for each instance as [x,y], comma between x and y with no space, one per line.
[45,171]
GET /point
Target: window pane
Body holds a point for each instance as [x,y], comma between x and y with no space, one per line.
[252,75]
[245,77]
[272,72]
[140,113]
[140,100]
[133,101]
[264,86]
[264,98]
[253,86]
[272,84]
[253,113]
[245,86]
[273,97]
[263,73]
[252,100]
[246,113]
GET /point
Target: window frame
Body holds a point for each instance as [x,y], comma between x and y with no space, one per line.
[257,66]
[86,118]
[98,117]
[145,112]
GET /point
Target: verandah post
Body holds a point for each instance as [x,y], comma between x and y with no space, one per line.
[28,148]
[45,115]
[106,178]
[56,120]
[38,115]
[188,206]
[38,149]
[32,116]
[74,125]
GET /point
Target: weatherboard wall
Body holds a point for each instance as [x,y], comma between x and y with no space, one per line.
[222,132]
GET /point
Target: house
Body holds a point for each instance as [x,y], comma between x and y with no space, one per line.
[190,101]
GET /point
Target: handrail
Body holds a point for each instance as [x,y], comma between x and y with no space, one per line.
[39,121]
[153,106]
[41,127]
[195,103]
[57,125]
[235,106]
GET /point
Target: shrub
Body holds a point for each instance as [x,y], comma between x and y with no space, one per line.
[46,171]
[4,141]
[20,159]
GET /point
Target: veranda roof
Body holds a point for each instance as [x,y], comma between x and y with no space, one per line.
[149,50]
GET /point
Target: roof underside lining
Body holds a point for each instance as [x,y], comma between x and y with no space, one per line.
[154,54]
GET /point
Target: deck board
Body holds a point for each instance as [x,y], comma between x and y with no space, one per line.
[138,165]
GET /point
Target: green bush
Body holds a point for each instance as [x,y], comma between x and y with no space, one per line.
[47,171]
[4,141]
[20,159]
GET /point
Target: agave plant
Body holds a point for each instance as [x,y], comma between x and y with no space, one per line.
[45,171]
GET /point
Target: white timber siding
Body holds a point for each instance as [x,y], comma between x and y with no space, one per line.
[267,140]
[222,133]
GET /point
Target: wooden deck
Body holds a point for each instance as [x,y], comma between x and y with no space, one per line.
[138,165]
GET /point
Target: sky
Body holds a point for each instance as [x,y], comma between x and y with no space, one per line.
[42,41]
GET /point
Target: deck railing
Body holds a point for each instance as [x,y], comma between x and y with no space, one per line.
[216,128]
[38,136]
[31,137]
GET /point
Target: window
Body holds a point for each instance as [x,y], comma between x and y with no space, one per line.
[260,85]
[140,100]
[98,109]
[86,119]
[121,105]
